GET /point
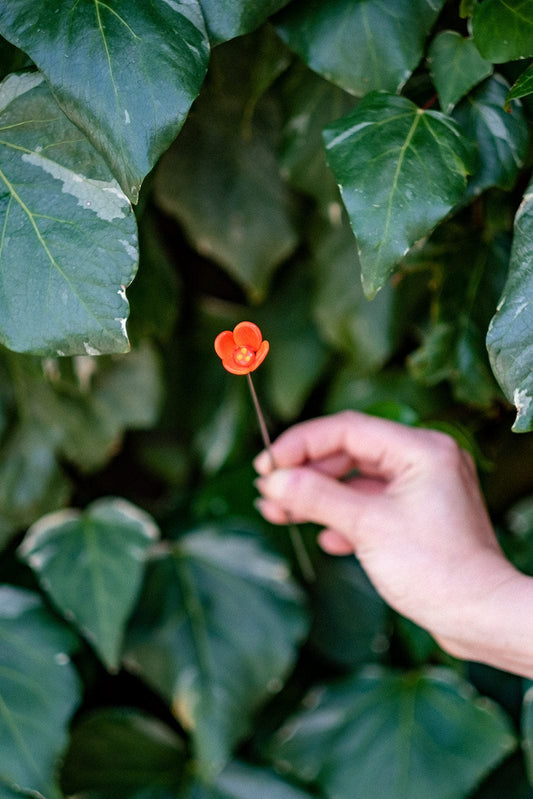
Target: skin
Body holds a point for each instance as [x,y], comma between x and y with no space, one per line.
[414,516]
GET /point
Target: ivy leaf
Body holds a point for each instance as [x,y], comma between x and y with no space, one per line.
[403,736]
[522,86]
[68,242]
[226,19]
[456,67]
[510,335]
[215,633]
[503,30]
[102,550]
[39,692]
[236,209]
[501,137]
[400,170]
[117,751]
[31,481]
[241,781]
[360,46]
[150,61]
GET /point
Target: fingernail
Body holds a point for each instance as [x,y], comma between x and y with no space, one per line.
[263,463]
[275,484]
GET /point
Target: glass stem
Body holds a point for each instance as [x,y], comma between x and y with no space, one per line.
[302,556]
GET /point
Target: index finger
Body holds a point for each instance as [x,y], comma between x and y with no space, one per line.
[377,447]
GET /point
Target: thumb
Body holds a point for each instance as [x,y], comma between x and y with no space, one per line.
[315,497]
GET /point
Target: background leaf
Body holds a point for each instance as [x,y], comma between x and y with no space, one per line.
[360,46]
[119,751]
[57,199]
[456,67]
[391,733]
[129,119]
[418,161]
[503,30]
[216,633]
[241,781]
[235,209]
[39,692]
[521,87]
[510,335]
[91,565]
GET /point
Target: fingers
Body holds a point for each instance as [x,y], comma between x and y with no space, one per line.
[334,543]
[376,447]
[308,495]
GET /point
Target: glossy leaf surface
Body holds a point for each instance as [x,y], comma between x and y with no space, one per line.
[226,19]
[503,29]
[395,735]
[522,86]
[91,565]
[241,781]
[400,170]
[39,692]
[216,632]
[144,89]
[69,242]
[360,46]
[501,137]
[456,67]
[510,335]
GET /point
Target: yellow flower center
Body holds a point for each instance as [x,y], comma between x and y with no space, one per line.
[243,356]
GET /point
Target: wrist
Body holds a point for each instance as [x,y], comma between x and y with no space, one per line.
[495,626]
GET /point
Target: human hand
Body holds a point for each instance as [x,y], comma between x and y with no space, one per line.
[407,502]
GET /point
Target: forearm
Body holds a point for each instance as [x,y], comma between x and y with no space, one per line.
[497,627]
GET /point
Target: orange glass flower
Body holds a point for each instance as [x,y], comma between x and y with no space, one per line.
[242,350]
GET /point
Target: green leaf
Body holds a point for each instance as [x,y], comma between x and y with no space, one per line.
[360,46]
[242,781]
[521,87]
[501,137]
[456,67]
[68,235]
[39,692]
[349,616]
[527,732]
[118,751]
[235,209]
[400,170]
[403,736]
[285,322]
[31,481]
[102,550]
[226,19]
[503,29]
[510,335]
[346,320]
[216,632]
[309,103]
[125,74]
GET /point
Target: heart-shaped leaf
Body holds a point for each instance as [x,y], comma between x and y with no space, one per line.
[403,736]
[400,170]
[39,692]
[503,30]
[241,781]
[360,46]
[510,335]
[91,565]
[69,242]
[215,633]
[125,73]
[456,67]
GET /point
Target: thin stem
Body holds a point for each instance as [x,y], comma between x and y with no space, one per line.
[302,556]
